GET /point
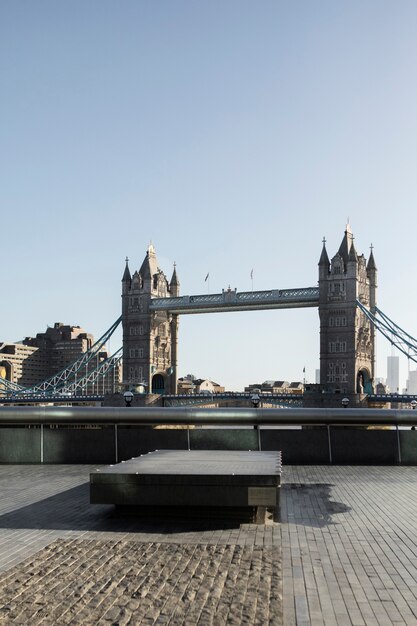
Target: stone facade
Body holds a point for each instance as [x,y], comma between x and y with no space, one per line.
[22,364]
[150,338]
[36,359]
[347,338]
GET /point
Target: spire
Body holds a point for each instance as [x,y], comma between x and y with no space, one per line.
[150,265]
[174,285]
[352,254]
[126,276]
[324,258]
[371,262]
[174,280]
[347,242]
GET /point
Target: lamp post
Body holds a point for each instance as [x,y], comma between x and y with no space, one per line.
[345,403]
[255,399]
[128,397]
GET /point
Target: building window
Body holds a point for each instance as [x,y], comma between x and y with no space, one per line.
[337,346]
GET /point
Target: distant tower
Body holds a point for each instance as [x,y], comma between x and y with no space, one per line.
[150,339]
[393,373]
[347,339]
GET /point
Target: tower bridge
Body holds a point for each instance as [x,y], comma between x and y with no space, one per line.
[151,306]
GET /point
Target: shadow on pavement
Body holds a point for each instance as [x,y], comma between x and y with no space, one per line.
[310,504]
[71,510]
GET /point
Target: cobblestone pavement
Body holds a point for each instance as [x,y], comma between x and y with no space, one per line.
[108,582]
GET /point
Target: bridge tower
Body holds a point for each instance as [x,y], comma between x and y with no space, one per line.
[150,339]
[347,339]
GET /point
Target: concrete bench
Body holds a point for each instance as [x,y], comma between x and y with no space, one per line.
[202,479]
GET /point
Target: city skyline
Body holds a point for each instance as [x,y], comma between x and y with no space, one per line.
[233,137]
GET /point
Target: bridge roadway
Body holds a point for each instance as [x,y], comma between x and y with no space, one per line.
[290,399]
[232,300]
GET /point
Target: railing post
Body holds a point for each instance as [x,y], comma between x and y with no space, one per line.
[398,445]
[329,439]
[41,443]
[188,437]
[116,445]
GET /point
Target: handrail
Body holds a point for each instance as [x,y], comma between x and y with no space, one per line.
[25,415]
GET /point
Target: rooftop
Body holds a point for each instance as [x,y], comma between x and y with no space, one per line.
[344,553]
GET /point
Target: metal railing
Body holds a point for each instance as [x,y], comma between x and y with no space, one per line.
[154,416]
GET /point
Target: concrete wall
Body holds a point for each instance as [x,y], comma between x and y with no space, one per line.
[110,443]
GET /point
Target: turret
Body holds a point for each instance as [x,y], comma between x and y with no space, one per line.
[372,271]
[126,280]
[174,285]
[324,263]
[149,268]
[346,244]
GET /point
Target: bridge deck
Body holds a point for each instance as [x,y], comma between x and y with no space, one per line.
[343,554]
[238,301]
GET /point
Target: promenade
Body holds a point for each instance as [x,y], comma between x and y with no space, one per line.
[345,553]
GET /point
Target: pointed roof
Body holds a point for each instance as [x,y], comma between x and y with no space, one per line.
[347,242]
[324,258]
[126,275]
[174,280]
[371,262]
[149,266]
[352,253]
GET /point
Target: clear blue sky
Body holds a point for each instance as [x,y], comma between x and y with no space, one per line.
[233,134]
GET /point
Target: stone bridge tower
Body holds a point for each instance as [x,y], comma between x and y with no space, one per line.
[347,338]
[150,338]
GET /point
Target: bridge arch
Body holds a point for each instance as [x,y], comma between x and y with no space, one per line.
[364,381]
[158,384]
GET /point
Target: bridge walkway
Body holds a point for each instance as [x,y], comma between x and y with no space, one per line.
[344,554]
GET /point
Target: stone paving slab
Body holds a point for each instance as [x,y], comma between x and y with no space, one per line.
[349,546]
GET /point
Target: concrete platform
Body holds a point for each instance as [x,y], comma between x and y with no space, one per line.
[203,478]
[346,544]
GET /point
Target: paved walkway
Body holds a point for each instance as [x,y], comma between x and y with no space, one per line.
[345,553]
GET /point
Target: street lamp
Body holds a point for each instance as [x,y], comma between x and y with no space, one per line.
[128,396]
[345,403]
[255,399]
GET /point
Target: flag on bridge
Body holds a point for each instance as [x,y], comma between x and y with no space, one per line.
[251,273]
[206,278]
